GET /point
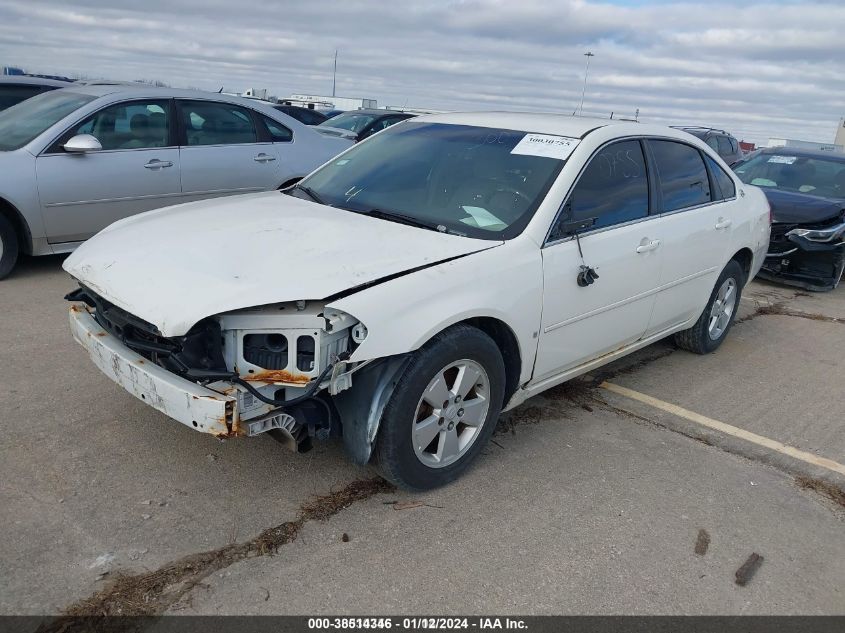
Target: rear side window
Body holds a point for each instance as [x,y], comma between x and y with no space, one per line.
[681,173]
[724,187]
[725,146]
[211,123]
[613,188]
[278,132]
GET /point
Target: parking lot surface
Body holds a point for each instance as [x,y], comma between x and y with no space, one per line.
[588,500]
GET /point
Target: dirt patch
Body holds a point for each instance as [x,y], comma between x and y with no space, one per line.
[748,569]
[824,488]
[780,310]
[152,593]
[523,414]
[609,374]
[702,542]
[577,391]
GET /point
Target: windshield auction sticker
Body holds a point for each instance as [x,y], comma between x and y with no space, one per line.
[785,160]
[546,145]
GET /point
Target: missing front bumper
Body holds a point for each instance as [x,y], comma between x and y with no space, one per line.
[194,406]
[810,265]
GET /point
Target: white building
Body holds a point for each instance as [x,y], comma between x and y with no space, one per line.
[796,144]
[336,103]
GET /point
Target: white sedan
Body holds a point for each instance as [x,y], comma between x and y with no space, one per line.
[420,283]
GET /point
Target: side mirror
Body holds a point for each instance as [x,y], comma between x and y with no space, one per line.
[82,144]
[577,226]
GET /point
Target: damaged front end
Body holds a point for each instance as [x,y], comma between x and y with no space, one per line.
[808,255]
[267,369]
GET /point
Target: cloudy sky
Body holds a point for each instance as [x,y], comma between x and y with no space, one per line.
[759,69]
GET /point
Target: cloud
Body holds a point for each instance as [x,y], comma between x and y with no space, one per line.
[770,68]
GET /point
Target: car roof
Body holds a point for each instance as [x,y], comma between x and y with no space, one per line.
[804,153]
[540,123]
[26,80]
[374,111]
[133,90]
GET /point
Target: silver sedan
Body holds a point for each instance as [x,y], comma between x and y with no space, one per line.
[72,161]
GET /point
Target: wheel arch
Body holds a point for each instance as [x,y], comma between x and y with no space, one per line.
[745,258]
[11,213]
[508,345]
[361,406]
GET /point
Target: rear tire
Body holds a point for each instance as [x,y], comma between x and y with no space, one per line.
[718,316]
[443,410]
[8,246]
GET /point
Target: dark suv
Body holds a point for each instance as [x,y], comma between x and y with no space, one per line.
[722,142]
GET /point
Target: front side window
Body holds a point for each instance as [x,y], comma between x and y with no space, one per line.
[613,188]
[212,123]
[683,178]
[23,122]
[131,125]
[463,179]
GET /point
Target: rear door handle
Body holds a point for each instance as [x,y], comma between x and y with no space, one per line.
[263,158]
[723,223]
[155,163]
[649,246]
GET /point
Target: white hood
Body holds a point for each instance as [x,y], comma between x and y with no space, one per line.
[175,266]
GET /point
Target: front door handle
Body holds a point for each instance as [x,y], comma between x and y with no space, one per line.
[723,223]
[155,163]
[645,246]
[263,158]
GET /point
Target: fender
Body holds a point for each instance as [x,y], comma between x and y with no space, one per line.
[402,314]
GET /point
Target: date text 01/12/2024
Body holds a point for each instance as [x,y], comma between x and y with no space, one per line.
[416,623]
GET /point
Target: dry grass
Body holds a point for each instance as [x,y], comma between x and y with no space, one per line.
[834,493]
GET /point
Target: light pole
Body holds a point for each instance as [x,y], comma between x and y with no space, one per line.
[588,54]
[334,75]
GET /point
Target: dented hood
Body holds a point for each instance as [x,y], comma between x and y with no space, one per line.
[175,266]
[802,208]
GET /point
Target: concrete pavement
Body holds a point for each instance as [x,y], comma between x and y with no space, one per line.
[582,508]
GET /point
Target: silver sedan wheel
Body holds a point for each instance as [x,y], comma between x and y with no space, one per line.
[450,413]
[722,309]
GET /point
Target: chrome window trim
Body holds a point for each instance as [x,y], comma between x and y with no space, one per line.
[650,216]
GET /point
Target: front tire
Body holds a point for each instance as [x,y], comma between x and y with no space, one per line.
[715,322]
[8,246]
[443,410]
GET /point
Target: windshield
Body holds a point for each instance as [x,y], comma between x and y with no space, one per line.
[352,121]
[464,179]
[815,176]
[23,122]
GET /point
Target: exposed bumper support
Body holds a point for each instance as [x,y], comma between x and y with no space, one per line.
[810,264]
[194,406]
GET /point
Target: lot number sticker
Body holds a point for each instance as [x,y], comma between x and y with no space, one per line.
[546,145]
[786,160]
